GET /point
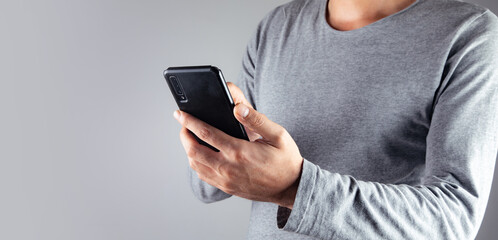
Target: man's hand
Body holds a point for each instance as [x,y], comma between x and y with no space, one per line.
[266,169]
[238,97]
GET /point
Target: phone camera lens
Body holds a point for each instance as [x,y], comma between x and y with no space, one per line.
[176,85]
[173,80]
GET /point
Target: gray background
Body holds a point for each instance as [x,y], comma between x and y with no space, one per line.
[89,147]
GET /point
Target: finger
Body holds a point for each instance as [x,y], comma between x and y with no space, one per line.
[208,175]
[237,94]
[203,172]
[207,133]
[198,152]
[238,97]
[259,123]
[212,177]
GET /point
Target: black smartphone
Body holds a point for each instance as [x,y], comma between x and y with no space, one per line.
[202,92]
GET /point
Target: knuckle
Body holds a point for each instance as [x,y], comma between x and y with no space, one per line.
[228,147]
[239,156]
[222,169]
[280,136]
[281,133]
[226,171]
[191,151]
[224,142]
[204,133]
[258,120]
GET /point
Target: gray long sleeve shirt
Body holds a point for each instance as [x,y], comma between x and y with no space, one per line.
[397,121]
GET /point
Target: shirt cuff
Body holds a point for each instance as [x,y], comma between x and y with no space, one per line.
[291,220]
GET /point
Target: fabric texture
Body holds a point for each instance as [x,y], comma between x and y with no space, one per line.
[397,121]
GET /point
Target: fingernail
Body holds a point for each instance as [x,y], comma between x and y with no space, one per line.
[176,114]
[243,110]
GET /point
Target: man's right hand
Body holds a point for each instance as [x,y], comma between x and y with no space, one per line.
[238,97]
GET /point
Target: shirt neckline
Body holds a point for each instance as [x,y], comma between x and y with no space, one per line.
[323,19]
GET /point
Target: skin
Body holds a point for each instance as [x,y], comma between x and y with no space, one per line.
[267,168]
[346,15]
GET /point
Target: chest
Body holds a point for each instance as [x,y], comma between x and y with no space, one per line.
[361,103]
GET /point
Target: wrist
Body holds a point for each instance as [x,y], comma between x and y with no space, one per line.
[288,196]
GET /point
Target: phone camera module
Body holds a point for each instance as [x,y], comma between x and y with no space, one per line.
[177,88]
[174,81]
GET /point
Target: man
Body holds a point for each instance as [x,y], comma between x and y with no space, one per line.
[380,122]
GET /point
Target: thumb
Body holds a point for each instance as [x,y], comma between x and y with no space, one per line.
[258,122]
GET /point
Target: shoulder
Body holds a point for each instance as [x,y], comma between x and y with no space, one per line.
[292,8]
[283,20]
[474,42]
[471,22]
[290,12]
[457,5]
[455,13]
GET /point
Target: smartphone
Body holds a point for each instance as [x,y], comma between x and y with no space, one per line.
[202,92]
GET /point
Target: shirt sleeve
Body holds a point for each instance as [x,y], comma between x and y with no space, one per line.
[460,159]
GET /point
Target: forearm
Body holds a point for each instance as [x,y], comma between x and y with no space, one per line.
[331,205]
